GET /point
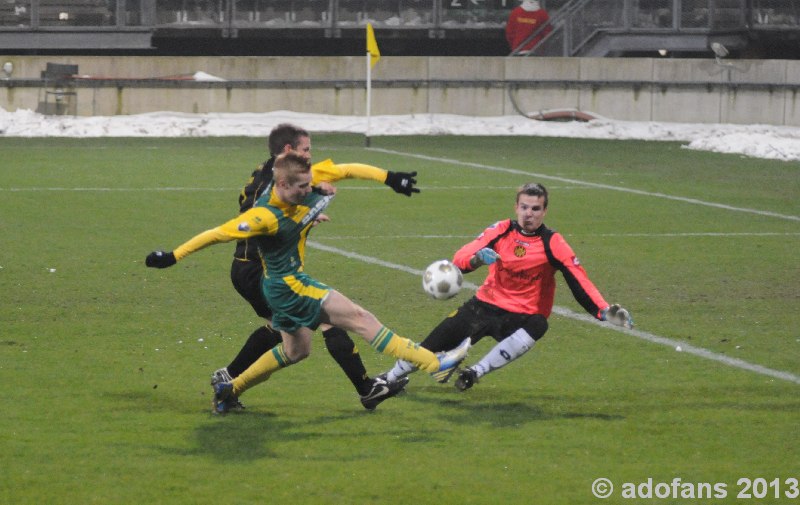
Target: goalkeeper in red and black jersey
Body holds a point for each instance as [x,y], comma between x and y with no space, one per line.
[513,303]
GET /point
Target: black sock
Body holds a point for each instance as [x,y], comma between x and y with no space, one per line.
[344,351]
[259,342]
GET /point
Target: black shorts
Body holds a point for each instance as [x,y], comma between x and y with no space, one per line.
[246,278]
[477,319]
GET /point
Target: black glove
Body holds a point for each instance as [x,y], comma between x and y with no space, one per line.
[402,182]
[160,259]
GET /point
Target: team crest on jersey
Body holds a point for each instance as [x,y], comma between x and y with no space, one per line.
[519,251]
[245,226]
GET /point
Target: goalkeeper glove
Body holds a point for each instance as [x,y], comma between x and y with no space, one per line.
[617,315]
[160,259]
[402,182]
[487,256]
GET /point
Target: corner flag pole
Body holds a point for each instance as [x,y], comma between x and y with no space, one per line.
[369,97]
[372,52]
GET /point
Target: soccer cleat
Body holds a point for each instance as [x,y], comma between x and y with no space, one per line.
[224,399]
[234,404]
[385,377]
[466,379]
[382,390]
[222,375]
[448,361]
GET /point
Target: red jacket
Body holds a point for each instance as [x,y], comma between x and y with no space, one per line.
[524,281]
[522,23]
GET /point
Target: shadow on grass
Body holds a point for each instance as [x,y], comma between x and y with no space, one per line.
[250,435]
[504,414]
[254,435]
[237,437]
[242,437]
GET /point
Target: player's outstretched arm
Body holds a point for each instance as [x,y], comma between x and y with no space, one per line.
[256,221]
[403,183]
[162,259]
[617,315]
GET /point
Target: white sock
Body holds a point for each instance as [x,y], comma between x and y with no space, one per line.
[401,369]
[506,351]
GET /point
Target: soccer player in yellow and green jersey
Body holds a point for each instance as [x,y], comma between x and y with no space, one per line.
[279,224]
[247,270]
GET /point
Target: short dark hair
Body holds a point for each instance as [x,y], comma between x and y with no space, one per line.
[533,189]
[285,133]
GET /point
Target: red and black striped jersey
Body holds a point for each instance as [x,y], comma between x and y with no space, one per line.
[523,281]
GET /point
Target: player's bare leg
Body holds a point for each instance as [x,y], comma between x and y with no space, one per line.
[342,312]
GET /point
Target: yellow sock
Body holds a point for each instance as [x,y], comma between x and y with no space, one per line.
[400,347]
[261,370]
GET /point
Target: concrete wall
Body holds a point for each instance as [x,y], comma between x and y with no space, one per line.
[588,84]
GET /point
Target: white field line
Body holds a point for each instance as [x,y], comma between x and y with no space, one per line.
[584,183]
[687,348]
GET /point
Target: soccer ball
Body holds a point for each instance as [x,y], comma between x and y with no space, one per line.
[442,280]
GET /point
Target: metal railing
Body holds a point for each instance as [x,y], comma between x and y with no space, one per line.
[581,22]
[576,23]
[47,14]
[266,14]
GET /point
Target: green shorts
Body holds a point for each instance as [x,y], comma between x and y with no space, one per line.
[296,301]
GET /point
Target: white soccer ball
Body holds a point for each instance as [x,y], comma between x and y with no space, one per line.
[442,280]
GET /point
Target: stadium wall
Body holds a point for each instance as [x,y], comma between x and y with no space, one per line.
[636,89]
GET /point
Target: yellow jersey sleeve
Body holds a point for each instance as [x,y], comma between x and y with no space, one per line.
[328,171]
[256,221]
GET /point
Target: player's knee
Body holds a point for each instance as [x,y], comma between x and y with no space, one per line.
[536,326]
[297,352]
[298,355]
[365,319]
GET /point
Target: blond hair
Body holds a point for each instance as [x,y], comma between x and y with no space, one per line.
[289,166]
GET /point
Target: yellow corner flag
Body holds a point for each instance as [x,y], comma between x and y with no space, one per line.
[372,46]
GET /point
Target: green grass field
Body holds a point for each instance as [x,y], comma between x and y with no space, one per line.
[105,364]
